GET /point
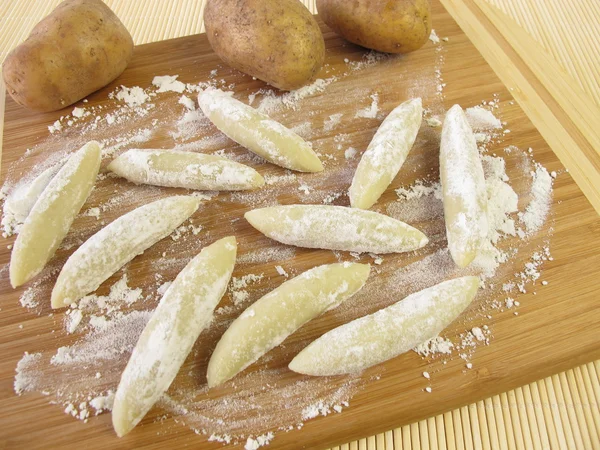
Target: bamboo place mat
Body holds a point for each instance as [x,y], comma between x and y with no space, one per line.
[547,52]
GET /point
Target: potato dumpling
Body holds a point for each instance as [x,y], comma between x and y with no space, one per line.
[391,26]
[277,41]
[77,49]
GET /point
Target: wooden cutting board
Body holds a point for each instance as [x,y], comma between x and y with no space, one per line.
[556,328]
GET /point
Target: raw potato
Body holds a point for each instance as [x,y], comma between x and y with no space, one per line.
[463,188]
[189,170]
[271,319]
[118,243]
[79,48]
[397,26]
[387,333]
[184,311]
[258,132]
[386,153]
[336,228]
[277,41]
[53,213]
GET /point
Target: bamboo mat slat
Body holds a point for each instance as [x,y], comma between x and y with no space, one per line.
[560,94]
[546,414]
[557,412]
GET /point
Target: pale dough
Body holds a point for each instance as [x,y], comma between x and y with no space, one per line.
[53,213]
[118,243]
[258,132]
[272,318]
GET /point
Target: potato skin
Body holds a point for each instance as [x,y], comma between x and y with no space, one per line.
[277,41]
[391,26]
[77,49]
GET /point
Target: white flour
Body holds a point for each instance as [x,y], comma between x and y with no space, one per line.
[239,284]
[434,346]
[332,122]
[168,83]
[350,153]
[482,119]
[541,197]
[369,59]
[370,112]
[259,441]
[304,130]
[25,379]
[134,96]
[271,103]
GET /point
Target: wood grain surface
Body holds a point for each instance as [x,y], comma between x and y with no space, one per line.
[524,349]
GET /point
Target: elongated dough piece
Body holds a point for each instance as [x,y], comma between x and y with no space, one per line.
[272,318]
[258,132]
[463,188]
[118,243]
[20,202]
[53,213]
[387,333]
[386,153]
[189,170]
[336,228]
[184,311]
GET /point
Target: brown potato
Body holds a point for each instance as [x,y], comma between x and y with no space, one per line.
[391,26]
[277,41]
[77,49]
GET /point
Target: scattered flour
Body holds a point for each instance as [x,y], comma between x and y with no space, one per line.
[73,320]
[315,410]
[541,197]
[304,188]
[187,102]
[108,343]
[224,439]
[168,83]
[25,379]
[133,96]
[281,271]
[350,153]
[434,346]
[265,255]
[103,402]
[92,212]
[502,202]
[55,127]
[370,112]
[420,189]
[288,177]
[332,122]
[482,119]
[191,124]
[369,59]
[272,102]
[29,298]
[478,333]
[304,129]
[239,284]
[78,112]
[259,441]
[433,37]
